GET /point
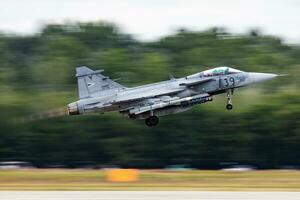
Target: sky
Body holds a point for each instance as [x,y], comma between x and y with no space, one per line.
[151,19]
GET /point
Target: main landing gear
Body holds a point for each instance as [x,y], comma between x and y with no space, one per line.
[152,121]
[229,105]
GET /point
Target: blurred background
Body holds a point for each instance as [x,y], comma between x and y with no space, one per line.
[41,43]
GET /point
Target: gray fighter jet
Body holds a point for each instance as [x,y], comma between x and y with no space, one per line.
[100,94]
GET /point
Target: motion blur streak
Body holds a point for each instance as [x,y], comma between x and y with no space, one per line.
[57,112]
[148,195]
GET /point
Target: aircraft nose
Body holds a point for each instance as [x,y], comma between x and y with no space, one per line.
[260,77]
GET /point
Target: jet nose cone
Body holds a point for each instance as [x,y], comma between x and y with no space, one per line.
[260,77]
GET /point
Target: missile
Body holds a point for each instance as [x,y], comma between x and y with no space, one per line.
[183,102]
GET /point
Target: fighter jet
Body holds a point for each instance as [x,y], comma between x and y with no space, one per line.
[100,94]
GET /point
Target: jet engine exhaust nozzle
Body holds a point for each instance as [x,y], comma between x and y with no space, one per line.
[73,109]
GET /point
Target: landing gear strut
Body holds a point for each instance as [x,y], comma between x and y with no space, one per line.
[152,121]
[229,105]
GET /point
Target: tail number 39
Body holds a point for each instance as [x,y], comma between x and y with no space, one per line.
[229,81]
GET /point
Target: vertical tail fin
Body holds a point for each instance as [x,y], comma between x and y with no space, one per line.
[92,83]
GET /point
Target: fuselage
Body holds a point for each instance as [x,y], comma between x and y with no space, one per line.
[166,97]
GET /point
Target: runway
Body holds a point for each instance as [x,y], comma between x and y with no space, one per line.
[146,195]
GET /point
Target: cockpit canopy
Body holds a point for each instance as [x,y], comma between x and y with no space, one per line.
[219,71]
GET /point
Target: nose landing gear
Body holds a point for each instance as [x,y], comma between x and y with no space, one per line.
[229,105]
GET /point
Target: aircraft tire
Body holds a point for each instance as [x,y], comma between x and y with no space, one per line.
[152,121]
[229,106]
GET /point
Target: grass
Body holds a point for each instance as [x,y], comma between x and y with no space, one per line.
[64,179]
